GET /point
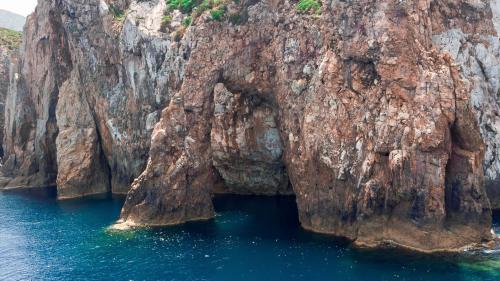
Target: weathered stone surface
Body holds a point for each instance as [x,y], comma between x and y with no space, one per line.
[5,61]
[474,46]
[380,142]
[374,128]
[81,165]
[246,145]
[124,83]
[30,119]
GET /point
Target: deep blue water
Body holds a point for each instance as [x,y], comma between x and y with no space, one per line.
[252,238]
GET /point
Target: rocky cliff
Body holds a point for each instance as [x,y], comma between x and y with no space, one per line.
[4,86]
[380,116]
[85,101]
[477,53]
[9,43]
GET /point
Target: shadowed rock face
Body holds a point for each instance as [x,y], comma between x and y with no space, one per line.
[355,111]
[246,144]
[5,58]
[475,48]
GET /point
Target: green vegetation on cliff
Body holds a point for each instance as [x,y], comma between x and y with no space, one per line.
[305,6]
[192,9]
[10,39]
[118,14]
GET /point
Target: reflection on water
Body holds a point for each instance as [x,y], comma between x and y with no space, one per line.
[251,238]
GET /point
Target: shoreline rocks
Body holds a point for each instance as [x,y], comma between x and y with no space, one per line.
[378,117]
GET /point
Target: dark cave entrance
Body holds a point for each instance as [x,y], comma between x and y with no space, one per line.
[247,150]
[263,216]
[247,157]
[463,188]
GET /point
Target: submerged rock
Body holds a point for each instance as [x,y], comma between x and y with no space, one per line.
[376,115]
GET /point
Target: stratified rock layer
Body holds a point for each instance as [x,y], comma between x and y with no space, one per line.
[353,109]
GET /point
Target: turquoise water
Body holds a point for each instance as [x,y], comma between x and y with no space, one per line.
[252,238]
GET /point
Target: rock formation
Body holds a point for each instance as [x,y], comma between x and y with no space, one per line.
[380,116]
[9,43]
[4,87]
[246,144]
[114,90]
[475,48]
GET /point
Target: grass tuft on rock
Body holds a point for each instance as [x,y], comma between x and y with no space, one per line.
[192,9]
[217,13]
[187,21]
[118,15]
[308,6]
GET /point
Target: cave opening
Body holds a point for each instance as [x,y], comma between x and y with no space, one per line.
[247,149]
[254,215]
[466,202]
[248,158]
[456,173]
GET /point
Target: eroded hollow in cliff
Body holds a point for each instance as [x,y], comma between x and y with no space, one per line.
[462,183]
[247,150]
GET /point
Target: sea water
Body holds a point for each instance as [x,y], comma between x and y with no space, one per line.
[251,238]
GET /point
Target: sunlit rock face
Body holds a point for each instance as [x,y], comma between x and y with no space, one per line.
[81,165]
[367,111]
[116,79]
[380,141]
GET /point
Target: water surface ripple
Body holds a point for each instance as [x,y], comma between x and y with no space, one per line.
[252,238]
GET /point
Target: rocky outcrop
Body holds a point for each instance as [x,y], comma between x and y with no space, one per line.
[379,139]
[379,134]
[4,86]
[115,89]
[30,115]
[82,169]
[9,43]
[475,47]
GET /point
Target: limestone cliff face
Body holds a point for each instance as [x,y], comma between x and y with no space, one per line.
[378,115]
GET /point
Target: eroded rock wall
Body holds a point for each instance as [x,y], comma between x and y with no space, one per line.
[380,141]
[82,169]
[30,116]
[116,78]
[474,45]
[5,59]
[246,145]
[354,109]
